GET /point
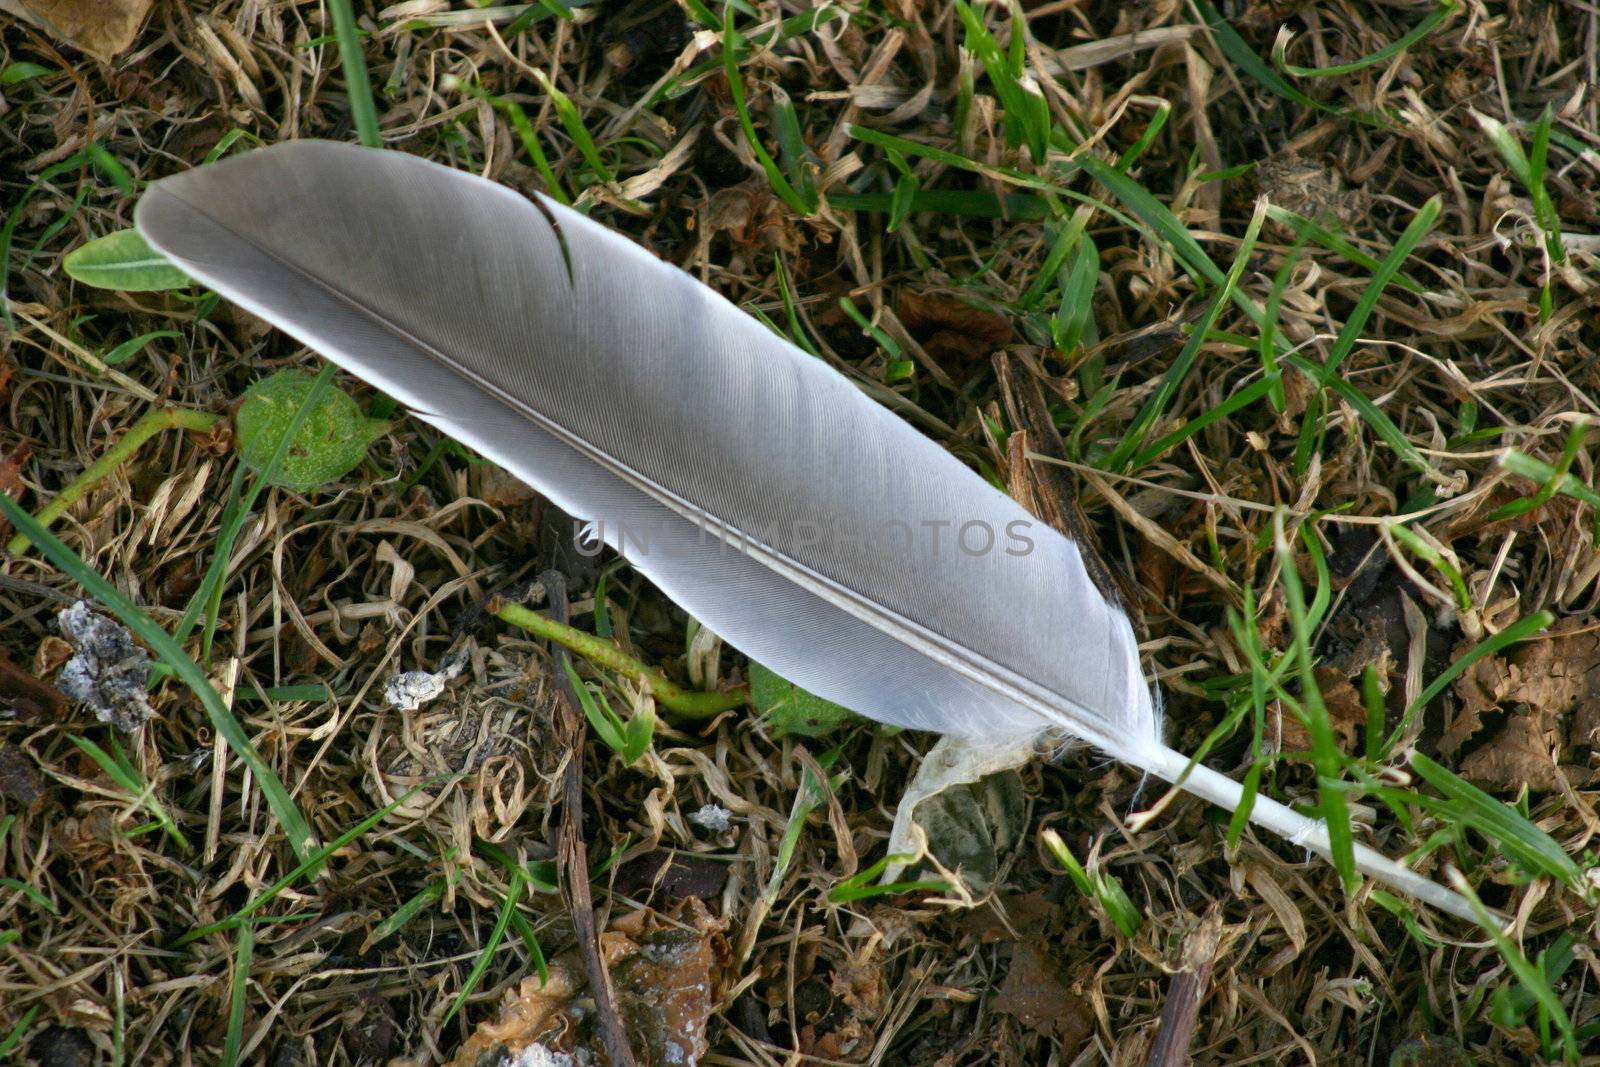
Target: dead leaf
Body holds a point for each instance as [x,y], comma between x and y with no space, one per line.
[667,986]
[667,973]
[848,1042]
[1005,916]
[674,875]
[1537,684]
[497,487]
[859,982]
[1308,187]
[103,28]
[1522,755]
[1346,709]
[751,215]
[11,465]
[529,1014]
[1036,996]
[19,781]
[950,765]
[50,655]
[27,697]
[950,330]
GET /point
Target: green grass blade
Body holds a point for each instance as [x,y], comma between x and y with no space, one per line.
[508,908]
[1531,978]
[13,1038]
[572,121]
[1466,804]
[1420,224]
[1552,483]
[237,995]
[124,775]
[1540,471]
[1172,233]
[1241,55]
[32,893]
[208,597]
[530,941]
[1308,230]
[801,204]
[1162,398]
[1387,52]
[1369,412]
[309,865]
[419,902]
[1325,753]
[132,347]
[363,112]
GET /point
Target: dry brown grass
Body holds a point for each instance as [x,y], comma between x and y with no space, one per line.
[383,572]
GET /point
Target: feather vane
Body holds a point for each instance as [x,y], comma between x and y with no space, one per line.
[754,484]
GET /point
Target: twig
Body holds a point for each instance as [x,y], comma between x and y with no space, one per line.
[574,855]
[1186,993]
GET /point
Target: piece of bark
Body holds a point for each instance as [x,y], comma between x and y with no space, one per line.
[1051,487]
[1186,992]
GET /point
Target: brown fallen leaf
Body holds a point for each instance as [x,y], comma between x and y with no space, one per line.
[950,330]
[19,781]
[1551,690]
[103,28]
[667,972]
[1523,754]
[1006,916]
[1035,995]
[667,985]
[849,1041]
[673,875]
[1346,709]
[1307,186]
[12,462]
[25,696]
[859,983]
[497,487]
[532,1014]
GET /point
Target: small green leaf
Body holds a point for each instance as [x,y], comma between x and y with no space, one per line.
[21,71]
[123,260]
[790,709]
[330,443]
[132,347]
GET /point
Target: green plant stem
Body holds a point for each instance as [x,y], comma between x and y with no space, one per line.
[363,112]
[673,697]
[119,453]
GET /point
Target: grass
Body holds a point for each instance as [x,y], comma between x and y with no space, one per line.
[1304,414]
[119,769]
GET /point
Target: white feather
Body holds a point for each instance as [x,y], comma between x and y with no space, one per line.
[775,496]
